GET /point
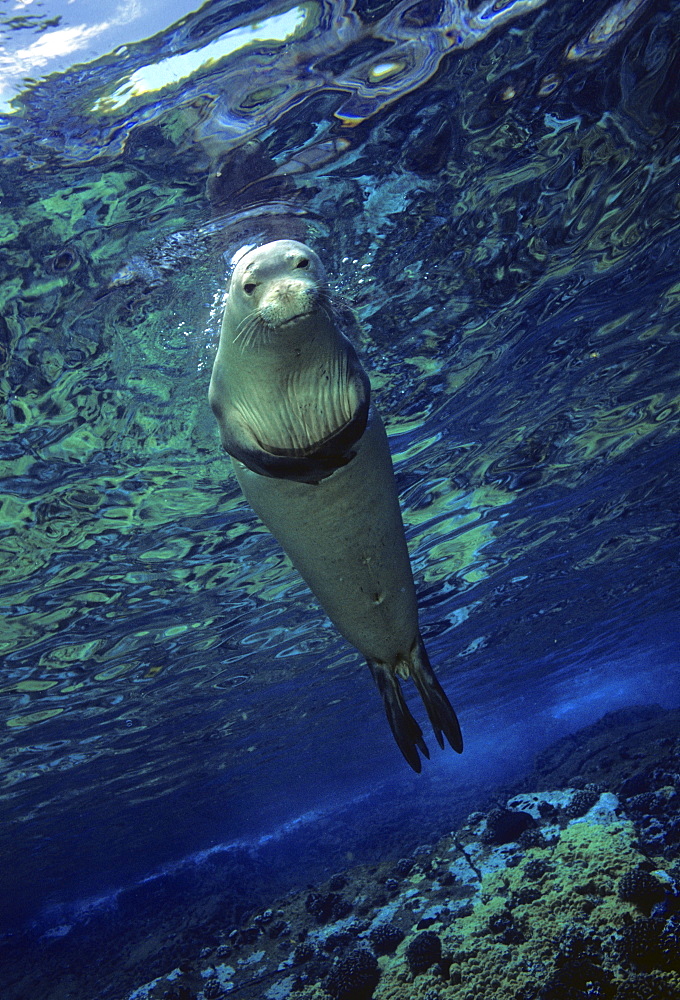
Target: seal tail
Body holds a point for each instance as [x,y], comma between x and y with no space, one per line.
[405,729]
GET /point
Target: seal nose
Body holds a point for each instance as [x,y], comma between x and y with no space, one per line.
[291,289]
[287,299]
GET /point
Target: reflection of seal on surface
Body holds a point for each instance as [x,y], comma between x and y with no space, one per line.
[293,407]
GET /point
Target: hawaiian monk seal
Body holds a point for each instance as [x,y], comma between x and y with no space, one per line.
[311,456]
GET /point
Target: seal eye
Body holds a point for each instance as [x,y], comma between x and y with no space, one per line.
[303,262]
[249,287]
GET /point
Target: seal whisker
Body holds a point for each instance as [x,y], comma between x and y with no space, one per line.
[334,299]
[332,316]
[265,332]
[324,310]
[240,329]
[339,310]
[252,332]
[242,332]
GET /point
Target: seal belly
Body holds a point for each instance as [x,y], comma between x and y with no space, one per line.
[345,537]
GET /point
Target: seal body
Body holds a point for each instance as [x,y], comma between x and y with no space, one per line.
[311,456]
[346,539]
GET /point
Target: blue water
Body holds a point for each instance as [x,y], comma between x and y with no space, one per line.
[494,191]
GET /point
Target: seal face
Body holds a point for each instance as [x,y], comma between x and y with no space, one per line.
[310,453]
[273,287]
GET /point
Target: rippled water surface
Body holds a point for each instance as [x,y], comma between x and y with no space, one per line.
[495,192]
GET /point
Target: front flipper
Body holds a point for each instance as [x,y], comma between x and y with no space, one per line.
[406,731]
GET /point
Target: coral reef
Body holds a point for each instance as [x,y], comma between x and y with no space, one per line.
[505,825]
[573,911]
[327,907]
[581,803]
[385,938]
[669,944]
[647,988]
[423,951]
[640,943]
[354,977]
[578,979]
[303,953]
[641,888]
[575,907]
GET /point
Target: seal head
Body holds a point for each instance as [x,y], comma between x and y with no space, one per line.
[287,389]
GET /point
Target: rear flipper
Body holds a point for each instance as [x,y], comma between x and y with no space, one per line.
[439,709]
[405,729]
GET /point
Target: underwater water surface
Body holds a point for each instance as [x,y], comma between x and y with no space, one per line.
[494,189]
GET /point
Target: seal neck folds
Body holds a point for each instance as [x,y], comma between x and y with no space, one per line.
[307,382]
